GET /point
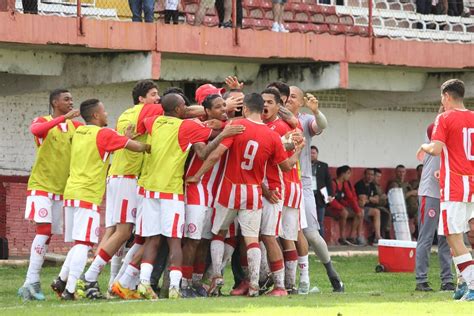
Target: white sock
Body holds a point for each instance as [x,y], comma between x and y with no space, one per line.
[37,252]
[465,264]
[126,261]
[127,279]
[76,266]
[254,257]
[115,264]
[303,264]
[145,272]
[63,274]
[97,265]
[217,255]
[291,263]
[228,251]
[175,278]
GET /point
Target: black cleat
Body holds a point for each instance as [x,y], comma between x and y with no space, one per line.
[448,287]
[90,290]
[423,287]
[58,286]
[337,285]
[66,296]
[188,292]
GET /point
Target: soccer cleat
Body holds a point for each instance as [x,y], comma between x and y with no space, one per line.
[146,292]
[90,290]
[360,241]
[124,293]
[468,296]
[461,289]
[448,287]
[31,292]
[217,283]
[423,287]
[337,285]
[253,291]
[346,242]
[303,288]
[314,290]
[66,296]
[200,291]
[174,293]
[292,290]
[241,290]
[266,285]
[278,292]
[188,292]
[58,286]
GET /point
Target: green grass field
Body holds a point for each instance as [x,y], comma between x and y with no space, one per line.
[367,293]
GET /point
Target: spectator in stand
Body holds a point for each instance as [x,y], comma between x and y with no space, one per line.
[321,181]
[385,216]
[345,206]
[416,182]
[278,10]
[369,199]
[224,12]
[147,7]
[171,11]
[30,6]
[455,7]
[411,195]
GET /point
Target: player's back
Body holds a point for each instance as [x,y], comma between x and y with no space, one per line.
[250,152]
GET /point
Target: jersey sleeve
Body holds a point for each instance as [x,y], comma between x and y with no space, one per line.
[109,140]
[191,132]
[149,110]
[77,124]
[439,130]
[279,153]
[148,124]
[40,126]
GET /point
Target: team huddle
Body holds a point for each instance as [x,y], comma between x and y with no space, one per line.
[199,186]
[196,185]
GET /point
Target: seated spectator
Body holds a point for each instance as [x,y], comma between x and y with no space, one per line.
[147,7]
[385,216]
[345,206]
[369,199]
[278,10]
[411,195]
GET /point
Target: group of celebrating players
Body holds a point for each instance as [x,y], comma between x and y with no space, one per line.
[243,194]
[246,186]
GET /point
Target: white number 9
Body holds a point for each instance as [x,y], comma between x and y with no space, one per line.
[249,154]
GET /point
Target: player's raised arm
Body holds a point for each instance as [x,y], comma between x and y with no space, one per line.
[210,161]
[320,122]
[202,150]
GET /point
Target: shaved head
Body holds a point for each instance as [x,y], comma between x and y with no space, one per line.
[297,90]
[295,100]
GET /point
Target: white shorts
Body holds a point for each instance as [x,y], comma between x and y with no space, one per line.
[139,218]
[207,224]
[43,210]
[121,201]
[82,224]
[289,223]
[248,220]
[195,219]
[454,217]
[302,223]
[271,218]
[162,217]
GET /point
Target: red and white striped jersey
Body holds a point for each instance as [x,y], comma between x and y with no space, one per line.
[455,128]
[247,157]
[203,192]
[291,180]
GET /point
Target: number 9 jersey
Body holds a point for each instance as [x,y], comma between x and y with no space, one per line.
[247,157]
[455,129]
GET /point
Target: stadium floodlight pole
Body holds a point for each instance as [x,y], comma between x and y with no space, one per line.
[371,30]
[80,26]
[234,23]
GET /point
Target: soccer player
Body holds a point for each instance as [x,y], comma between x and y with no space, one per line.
[240,190]
[452,139]
[91,146]
[163,211]
[311,125]
[52,134]
[121,190]
[428,220]
[199,200]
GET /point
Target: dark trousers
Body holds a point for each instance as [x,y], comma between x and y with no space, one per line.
[423,6]
[321,211]
[220,11]
[455,7]
[171,16]
[237,271]
[139,6]
[30,6]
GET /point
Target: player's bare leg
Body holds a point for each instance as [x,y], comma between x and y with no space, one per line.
[189,254]
[342,226]
[375,214]
[277,268]
[302,248]
[108,233]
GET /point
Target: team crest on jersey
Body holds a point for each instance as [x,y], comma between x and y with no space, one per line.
[43,212]
[432,213]
[97,231]
[191,228]
[134,212]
